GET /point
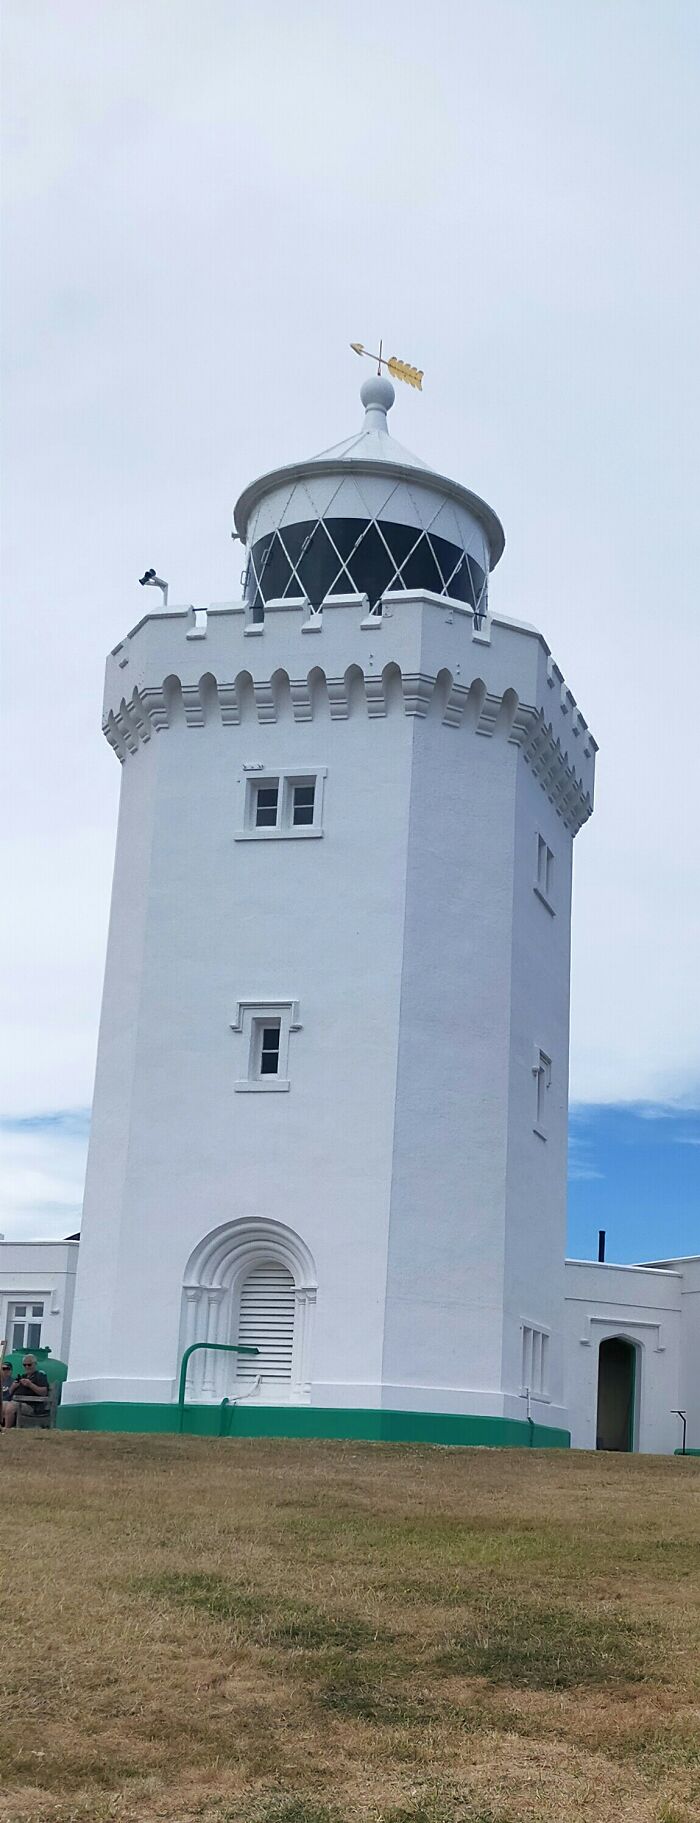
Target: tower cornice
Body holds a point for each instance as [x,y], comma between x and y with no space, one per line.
[422,658]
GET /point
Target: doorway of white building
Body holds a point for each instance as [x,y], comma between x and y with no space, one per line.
[617,1386]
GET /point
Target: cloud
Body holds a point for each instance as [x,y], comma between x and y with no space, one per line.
[580,1172]
[42,1172]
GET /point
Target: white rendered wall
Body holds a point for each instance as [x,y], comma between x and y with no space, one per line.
[478,1198]
[412,940]
[40,1271]
[689,1386]
[644,1307]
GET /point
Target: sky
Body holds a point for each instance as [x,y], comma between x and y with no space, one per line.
[203,205]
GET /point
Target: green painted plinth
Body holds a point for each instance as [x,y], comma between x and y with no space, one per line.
[376,1426]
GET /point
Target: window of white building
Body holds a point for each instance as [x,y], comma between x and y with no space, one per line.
[544,873]
[281,805]
[535,1360]
[266,805]
[24,1325]
[542,1072]
[266,1026]
[266,1321]
[266,1047]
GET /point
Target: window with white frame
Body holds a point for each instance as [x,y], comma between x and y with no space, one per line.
[282,804]
[265,1027]
[24,1322]
[266,804]
[266,1047]
[542,1072]
[544,872]
[535,1360]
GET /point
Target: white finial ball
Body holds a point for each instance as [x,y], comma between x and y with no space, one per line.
[377,392]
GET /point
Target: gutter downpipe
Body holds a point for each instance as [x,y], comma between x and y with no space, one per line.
[224,1348]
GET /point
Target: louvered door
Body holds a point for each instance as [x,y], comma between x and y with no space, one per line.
[266,1322]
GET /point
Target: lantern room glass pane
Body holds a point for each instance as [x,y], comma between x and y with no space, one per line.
[342,556]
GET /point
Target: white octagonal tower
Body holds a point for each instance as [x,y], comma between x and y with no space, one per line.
[331,1098]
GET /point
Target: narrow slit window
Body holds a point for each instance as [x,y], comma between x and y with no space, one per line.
[543,1078]
[303,805]
[545,869]
[266,802]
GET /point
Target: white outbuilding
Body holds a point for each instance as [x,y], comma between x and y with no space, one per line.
[330,1114]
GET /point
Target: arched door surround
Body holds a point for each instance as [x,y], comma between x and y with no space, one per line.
[260,1259]
[617,1394]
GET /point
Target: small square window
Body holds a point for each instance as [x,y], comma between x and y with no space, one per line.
[266,803]
[303,804]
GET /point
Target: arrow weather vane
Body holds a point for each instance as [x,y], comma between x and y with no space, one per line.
[399,370]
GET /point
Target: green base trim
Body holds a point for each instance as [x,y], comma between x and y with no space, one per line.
[377,1426]
[686,1452]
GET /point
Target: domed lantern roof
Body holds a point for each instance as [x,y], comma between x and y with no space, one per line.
[365,517]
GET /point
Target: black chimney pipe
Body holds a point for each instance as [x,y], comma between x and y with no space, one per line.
[601,1246]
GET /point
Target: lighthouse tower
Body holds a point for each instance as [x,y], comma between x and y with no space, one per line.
[331,1097]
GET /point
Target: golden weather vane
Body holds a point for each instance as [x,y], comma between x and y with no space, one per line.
[399,370]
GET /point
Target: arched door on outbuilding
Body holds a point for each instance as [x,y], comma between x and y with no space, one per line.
[617,1387]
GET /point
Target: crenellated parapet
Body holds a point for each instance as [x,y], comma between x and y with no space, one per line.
[422,657]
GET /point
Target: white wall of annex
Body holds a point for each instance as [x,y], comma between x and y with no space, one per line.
[689,1397]
[40,1271]
[644,1307]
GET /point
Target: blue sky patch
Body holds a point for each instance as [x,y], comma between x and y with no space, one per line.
[634,1170]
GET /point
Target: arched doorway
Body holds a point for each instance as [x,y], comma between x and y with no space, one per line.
[617,1376]
[251,1281]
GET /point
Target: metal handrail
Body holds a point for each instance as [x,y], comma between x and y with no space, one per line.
[224,1348]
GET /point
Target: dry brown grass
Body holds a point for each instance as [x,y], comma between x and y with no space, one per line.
[271,1632]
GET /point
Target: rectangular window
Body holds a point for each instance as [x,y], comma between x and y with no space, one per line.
[24,1325]
[542,1072]
[544,874]
[281,806]
[266,802]
[303,804]
[535,1360]
[265,1027]
[270,1049]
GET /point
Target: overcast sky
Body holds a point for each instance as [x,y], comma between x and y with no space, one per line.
[205,202]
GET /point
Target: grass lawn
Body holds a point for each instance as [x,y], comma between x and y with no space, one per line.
[273,1632]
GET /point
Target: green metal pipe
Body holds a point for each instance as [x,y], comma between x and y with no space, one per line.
[222,1348]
